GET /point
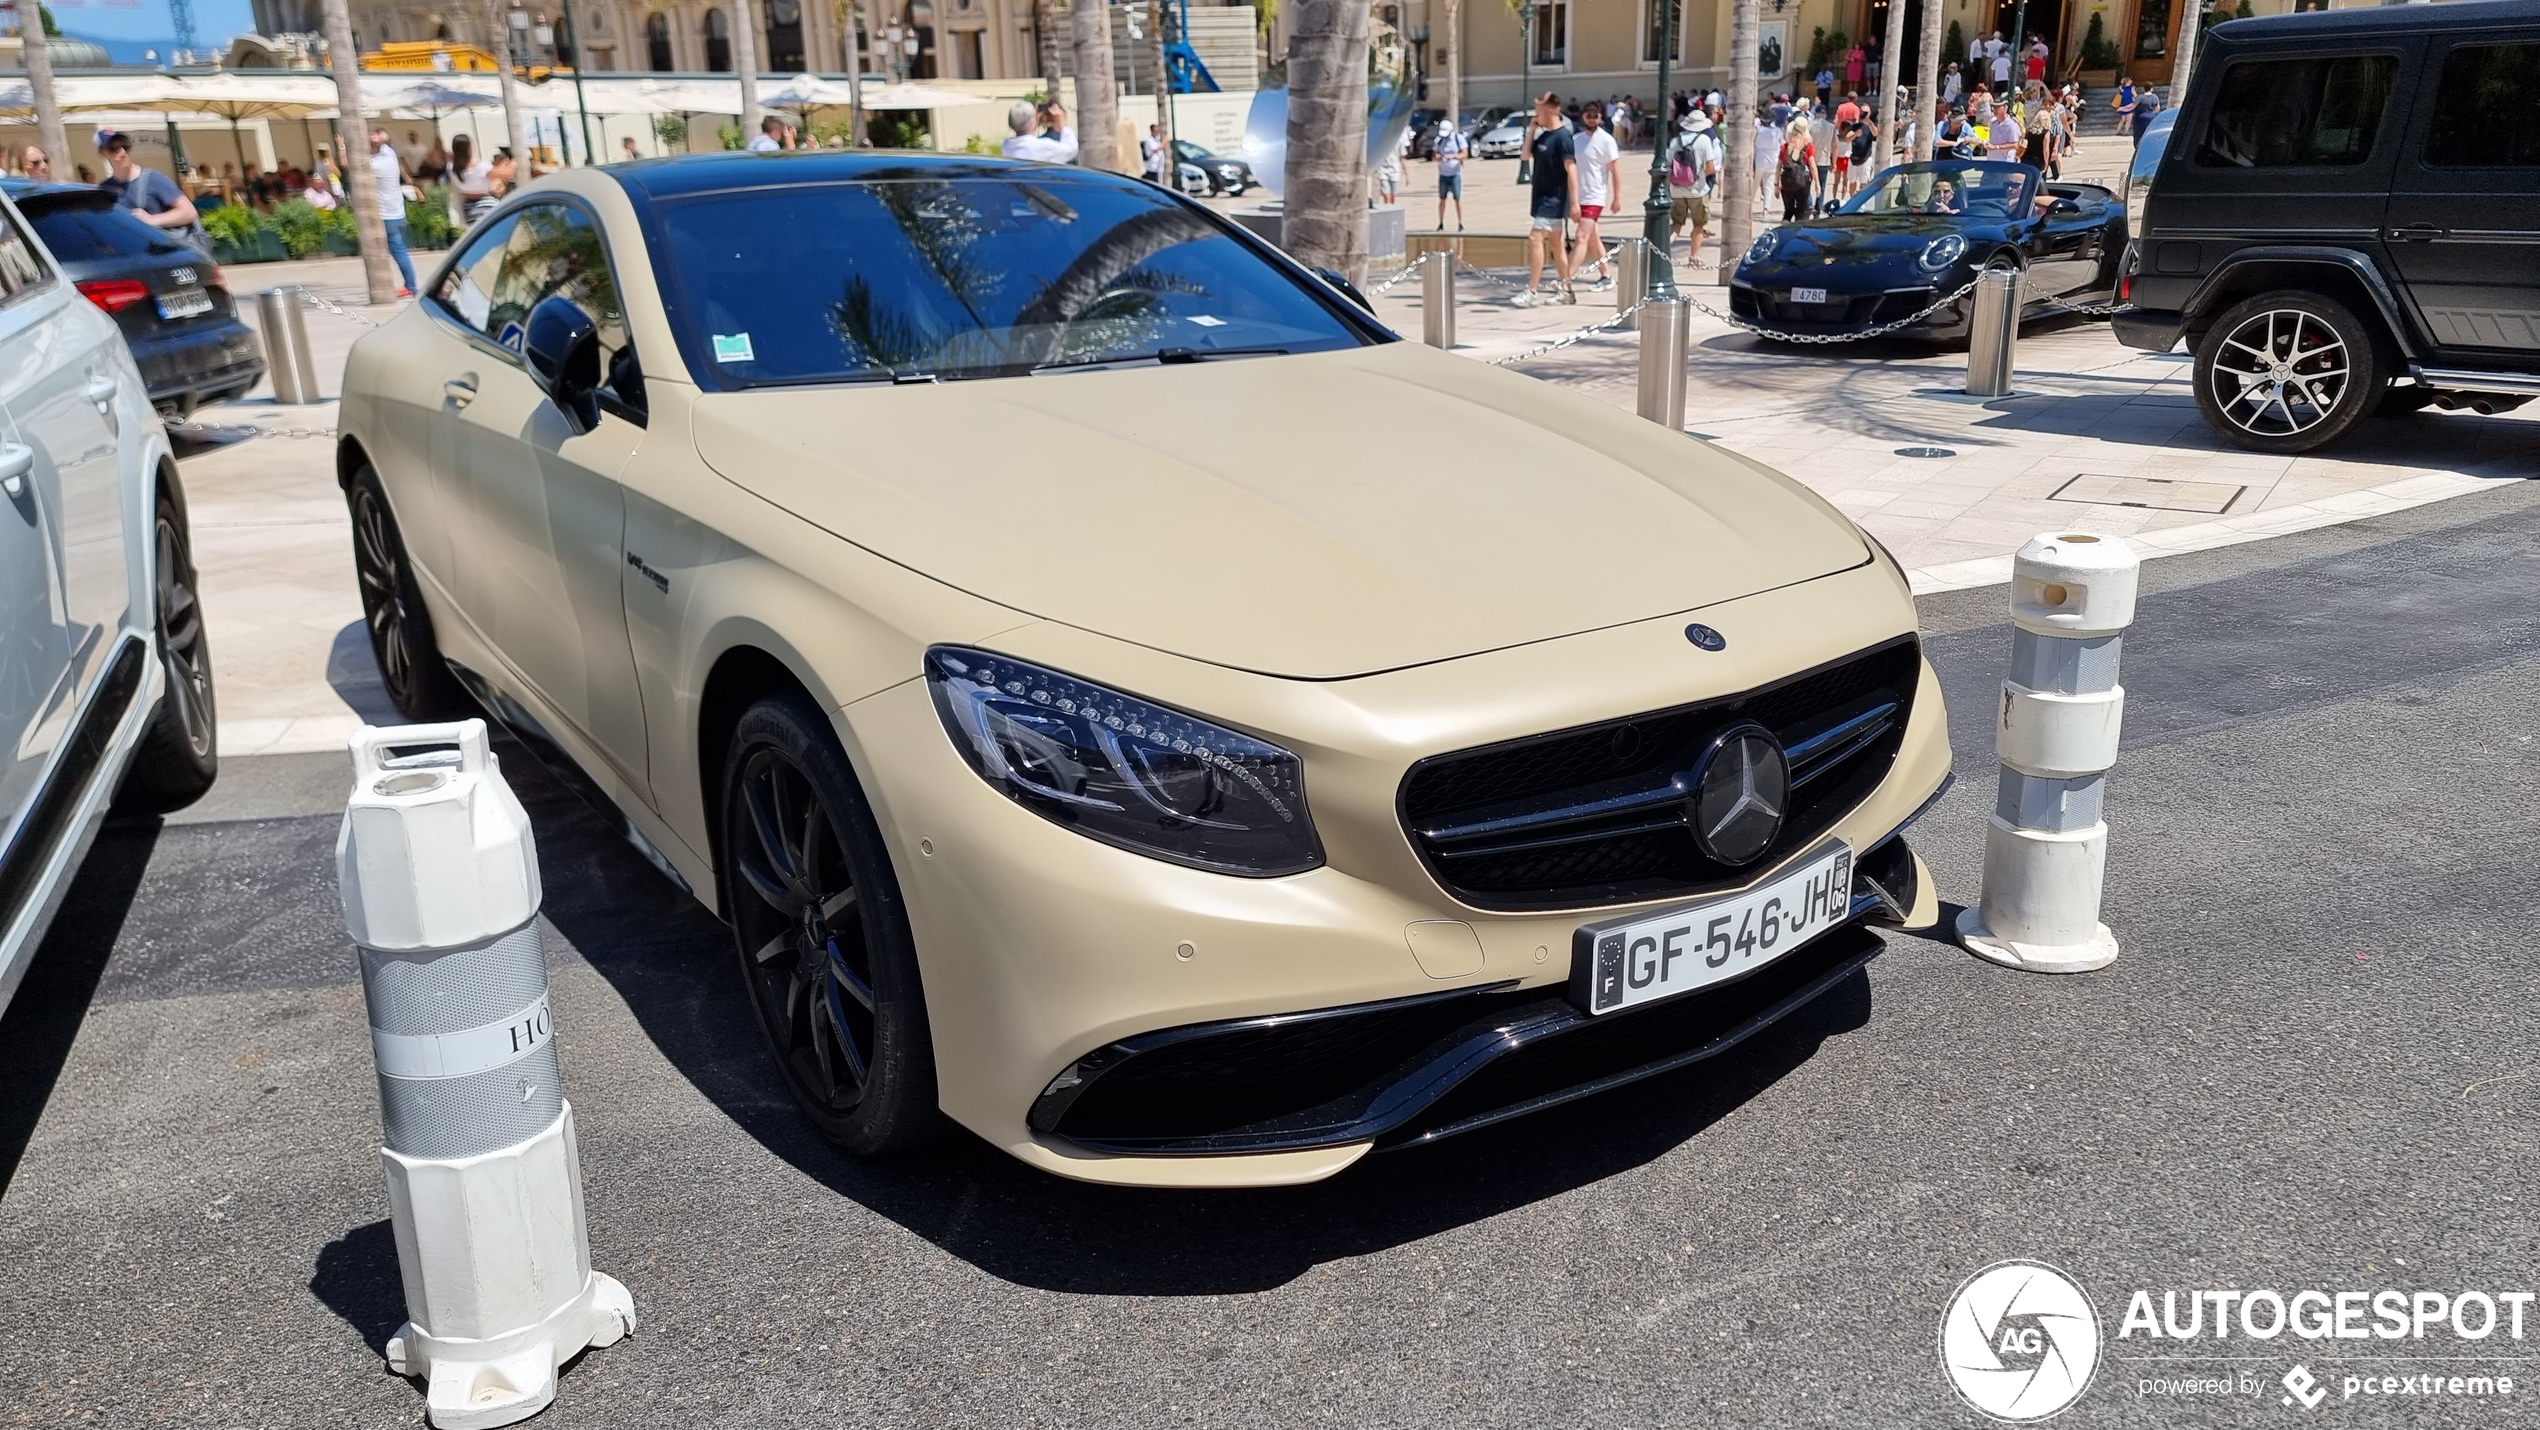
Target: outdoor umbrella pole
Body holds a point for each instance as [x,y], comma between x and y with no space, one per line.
[573,43]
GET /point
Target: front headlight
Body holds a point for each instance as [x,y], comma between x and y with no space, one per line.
[1943,251]
[1118,769]
[1763,246]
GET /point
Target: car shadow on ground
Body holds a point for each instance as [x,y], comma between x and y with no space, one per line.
[671,963]
[43,1020]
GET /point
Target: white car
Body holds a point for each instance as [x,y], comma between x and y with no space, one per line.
[1504,142]
[105,681]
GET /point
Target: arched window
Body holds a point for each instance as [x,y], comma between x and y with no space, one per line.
[785,36]
[718,42]
[657,42]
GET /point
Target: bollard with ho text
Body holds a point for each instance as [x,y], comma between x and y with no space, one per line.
[438,872]
[2046,847]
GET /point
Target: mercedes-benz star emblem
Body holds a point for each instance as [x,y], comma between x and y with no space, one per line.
[1705,638]
[1740,787]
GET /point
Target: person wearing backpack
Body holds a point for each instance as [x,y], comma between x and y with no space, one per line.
[1693,175]
[1797,173]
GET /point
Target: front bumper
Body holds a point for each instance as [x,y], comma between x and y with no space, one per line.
[1040,948]
[1768,305]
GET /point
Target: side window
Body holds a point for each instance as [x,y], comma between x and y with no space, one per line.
[2322,109]
[2480,109]
[21,269]
[534,253]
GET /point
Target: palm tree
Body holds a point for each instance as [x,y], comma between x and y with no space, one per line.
[1324,223]
[1737,162]
[1455,64]
[1097,102]
[745,65]
[359,182]
[1927,83]
[1045,34]
[1891,50]
[514,123]
[39,80]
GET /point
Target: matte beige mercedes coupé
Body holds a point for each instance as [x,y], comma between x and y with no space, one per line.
[1123,699]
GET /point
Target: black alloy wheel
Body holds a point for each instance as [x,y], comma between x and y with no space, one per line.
[824,943]
[179,755]
[419,683]
[2286,372]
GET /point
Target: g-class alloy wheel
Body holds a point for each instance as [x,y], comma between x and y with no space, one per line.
[2286,372]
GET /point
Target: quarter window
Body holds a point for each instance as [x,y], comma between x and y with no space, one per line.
[2322,110]
[2480,118]
[20,267]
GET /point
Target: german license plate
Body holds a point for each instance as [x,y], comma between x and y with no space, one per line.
[1807,295]
[1652,956]
[184,303]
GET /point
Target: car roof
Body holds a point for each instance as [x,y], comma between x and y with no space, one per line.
[2377,20]
[713,173]
[22,189]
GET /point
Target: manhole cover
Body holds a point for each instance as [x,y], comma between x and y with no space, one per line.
[2158,493]
[1927,451]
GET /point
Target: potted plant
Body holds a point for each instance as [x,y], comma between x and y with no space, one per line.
[2099,59]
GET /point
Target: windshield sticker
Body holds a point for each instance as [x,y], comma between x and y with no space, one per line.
[732,347]
[1206,321]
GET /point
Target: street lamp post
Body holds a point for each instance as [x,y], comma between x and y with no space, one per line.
[1662,268]
[1526,89]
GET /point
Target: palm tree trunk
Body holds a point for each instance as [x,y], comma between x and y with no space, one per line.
[1097,96]
[1927,83]
[1891,52]
[1455,64]
[514,123]
[360,184]
[39,79]
[849,12]
[1737,160]
[1045,34]
[2187,23]
[745,65]
[1325,214]
[1156,12]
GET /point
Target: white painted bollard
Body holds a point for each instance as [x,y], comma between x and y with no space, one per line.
[2046,848]
[438,872]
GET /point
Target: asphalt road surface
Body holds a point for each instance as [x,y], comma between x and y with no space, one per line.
[2314,1066]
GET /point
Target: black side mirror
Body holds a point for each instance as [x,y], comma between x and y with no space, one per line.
[563,351]
[1348,289]
[2063,206]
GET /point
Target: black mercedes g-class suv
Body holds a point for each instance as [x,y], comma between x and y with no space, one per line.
[2346,218]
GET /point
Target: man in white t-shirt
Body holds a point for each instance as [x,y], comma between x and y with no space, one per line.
[1151,154]
[390,175]
[1024,143]
[1595,164]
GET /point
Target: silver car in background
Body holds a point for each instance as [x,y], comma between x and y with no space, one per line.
[105,681]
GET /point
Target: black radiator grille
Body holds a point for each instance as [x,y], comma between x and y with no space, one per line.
[1584,817]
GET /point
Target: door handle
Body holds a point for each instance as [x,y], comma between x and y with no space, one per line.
[2417,233]
[460,390]
[100,390]
[16,460]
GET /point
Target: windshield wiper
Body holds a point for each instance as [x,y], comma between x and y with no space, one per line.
[1161,355]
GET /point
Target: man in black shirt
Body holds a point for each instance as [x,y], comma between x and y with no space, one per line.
[1556,202]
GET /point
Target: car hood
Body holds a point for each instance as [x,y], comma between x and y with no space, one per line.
[1857,238]
[1319,516]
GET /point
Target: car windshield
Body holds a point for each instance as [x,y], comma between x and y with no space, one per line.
[1976,190]
[969,277]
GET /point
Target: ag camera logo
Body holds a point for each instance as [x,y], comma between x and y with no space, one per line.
[2020,1341]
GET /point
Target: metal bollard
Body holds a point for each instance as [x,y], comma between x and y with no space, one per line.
[1631,279]
[1993,334]
[2046,848]
[438,872]
[1664,328]
[287,358]
[1437,298]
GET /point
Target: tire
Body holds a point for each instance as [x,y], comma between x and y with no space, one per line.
[2287,371]
[179,755]
[840,1002]
[400,627]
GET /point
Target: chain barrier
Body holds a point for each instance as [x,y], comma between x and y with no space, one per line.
[1377,289]
[1824,339]
[324,305]
[1557,344]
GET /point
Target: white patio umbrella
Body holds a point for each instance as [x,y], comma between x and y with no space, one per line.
[229,95]
[917,96]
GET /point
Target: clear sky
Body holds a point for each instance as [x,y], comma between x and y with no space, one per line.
[214,20]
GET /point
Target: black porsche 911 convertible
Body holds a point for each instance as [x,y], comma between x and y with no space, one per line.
[1919,232]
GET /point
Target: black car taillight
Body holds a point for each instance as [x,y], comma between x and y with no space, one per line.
[114,294]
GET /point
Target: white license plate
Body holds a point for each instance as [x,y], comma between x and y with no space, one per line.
[1807,295]
[1653,956]
[184,303]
